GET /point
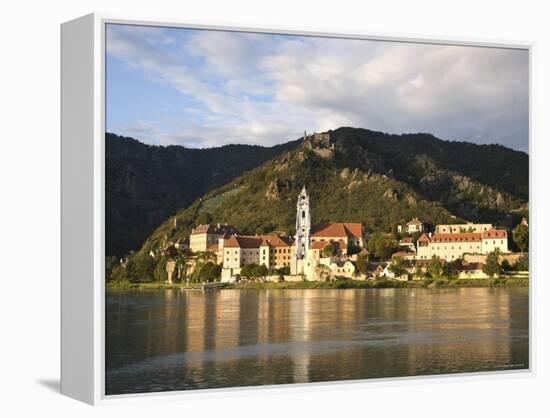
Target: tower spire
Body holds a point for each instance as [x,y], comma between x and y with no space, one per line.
[303,224]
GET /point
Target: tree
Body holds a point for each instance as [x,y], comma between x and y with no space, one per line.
[284,271]
[140,268]
[329,250]
[522,264]
[520,235]
[254,270]
[418,270]
[398,267]
[453,268]
[435,269]
[261,271]
[118,273]
[248,270]
[505,265]
[207,272]
[362,263]
[160,270]
[171,252]
[353,249]
[110,263]
[492,265]
[204,218]
[381,245]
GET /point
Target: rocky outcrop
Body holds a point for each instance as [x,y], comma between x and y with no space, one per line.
[391,194]
[272,193]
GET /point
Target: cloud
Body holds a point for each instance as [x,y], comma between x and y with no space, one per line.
[266,89]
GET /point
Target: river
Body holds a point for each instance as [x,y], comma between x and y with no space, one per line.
[159,340]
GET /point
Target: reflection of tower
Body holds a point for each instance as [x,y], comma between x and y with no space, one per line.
[302,225]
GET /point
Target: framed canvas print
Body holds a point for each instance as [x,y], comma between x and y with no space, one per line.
[252,208]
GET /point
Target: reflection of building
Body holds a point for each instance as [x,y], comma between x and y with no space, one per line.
[452,246]
[205,237]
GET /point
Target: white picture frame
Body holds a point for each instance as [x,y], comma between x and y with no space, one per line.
[83,206]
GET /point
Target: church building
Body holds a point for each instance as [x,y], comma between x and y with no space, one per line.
[340,235]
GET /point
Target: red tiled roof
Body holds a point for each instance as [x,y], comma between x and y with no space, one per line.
[241,241]
[424,237]
[255,241]
[275,241]
[319,245]
[218,229]
[345,229]
[460,237]
[495,233]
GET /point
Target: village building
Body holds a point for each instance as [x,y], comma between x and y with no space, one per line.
[511,258]
[378,270]
[317,248]
[407,244]
[271,251]
[348,233]
[472,271]
[405,255]
[412,227]
[311,240]
[206,237]
[462,228]
[391,275]
[452,246]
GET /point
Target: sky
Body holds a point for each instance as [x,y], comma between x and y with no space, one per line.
[206,88]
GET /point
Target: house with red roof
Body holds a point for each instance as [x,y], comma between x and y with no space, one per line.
[205,237]
[452,246]
[347,233]
[273,251]
[413,226]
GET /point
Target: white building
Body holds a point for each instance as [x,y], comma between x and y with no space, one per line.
[413,226]
[452,246]
[462,228]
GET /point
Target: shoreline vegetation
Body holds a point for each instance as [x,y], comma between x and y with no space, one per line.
[503,282]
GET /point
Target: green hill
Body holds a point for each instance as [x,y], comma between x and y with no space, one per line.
[370,177]
[146,184]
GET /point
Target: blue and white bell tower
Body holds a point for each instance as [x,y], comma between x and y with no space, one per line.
[303,225]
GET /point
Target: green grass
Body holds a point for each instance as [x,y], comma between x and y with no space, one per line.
[339,284]
[125,284]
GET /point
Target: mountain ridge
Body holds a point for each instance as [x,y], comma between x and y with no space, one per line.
[365,176]
[145,184]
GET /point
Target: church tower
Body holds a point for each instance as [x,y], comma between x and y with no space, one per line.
[303,224]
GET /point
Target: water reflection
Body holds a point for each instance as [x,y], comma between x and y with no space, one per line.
[173,340]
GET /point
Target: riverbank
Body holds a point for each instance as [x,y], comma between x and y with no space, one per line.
[338,284]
